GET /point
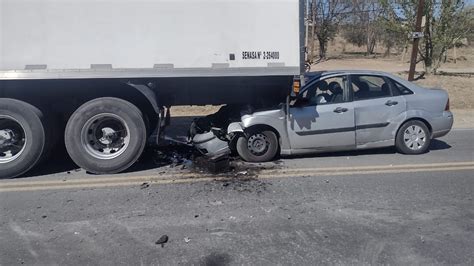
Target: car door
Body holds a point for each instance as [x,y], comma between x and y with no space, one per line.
[325,119]
[377,109]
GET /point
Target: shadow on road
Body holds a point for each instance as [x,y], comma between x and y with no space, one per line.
[60,162]
[437,144]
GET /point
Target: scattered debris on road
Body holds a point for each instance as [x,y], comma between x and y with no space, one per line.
[177,157]
[243,173]
[187,239]
[145,185]
[162,241]
[213,166]
[173,154]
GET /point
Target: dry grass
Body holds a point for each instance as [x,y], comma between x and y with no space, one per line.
[460,89]
[180,111]
[339,48]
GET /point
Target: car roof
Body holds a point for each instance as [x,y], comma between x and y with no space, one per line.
[344,72]
[314,76]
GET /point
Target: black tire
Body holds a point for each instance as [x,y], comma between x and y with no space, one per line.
[266,154]
[31,122]
[419,145]
[89,157]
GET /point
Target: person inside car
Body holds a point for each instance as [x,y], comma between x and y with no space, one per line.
[336,92]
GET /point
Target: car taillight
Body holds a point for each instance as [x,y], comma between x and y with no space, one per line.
[447,106]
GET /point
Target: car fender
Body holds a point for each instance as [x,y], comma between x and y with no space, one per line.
[277,123]
[236,127]
[418,113]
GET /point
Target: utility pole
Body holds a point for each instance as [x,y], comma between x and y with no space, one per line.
[313,25]
[416,39]
[306,21]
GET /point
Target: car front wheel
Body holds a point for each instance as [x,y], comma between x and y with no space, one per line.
[413,138]
[258,146]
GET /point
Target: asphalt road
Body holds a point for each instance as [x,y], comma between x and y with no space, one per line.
[369,207]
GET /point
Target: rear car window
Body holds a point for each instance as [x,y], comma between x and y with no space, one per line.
[399,89]
[369,87]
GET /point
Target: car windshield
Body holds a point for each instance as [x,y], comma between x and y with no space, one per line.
[309,77]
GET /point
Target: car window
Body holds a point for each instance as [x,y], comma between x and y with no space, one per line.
[399,89]
[328,91]
[369,87]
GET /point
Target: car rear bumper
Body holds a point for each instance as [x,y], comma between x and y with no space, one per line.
[442,125]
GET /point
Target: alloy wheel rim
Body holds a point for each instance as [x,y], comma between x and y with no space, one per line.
[12,139]
[414,137]
[105,136]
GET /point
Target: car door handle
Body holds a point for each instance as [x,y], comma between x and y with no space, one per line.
[391,103]
[340,110]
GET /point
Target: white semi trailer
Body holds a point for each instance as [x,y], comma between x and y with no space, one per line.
[100,73]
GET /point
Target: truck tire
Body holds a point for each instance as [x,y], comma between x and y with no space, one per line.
[413,138]
[105,135]
[22,137]
[259,146]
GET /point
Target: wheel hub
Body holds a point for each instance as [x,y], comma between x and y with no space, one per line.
[6,136]
[12,139]
[258,144]
[109,136]
[105,136]
[415,137]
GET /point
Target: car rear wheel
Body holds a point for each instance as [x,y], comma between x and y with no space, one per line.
[22,137]
[413,138]
[106,135]
[259,146]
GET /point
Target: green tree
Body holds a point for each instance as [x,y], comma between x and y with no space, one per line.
[446,22]
[327,15]
[361,27]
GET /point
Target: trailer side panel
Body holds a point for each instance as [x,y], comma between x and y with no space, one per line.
[100,38]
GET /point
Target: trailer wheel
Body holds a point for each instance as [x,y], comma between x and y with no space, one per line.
[106,135]
[22,137]
[259,146]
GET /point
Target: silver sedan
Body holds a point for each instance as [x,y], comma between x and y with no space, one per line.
[345,110]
